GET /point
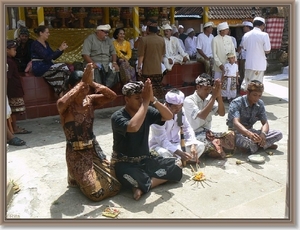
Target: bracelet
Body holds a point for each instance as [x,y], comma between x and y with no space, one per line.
[155,100]
[114,62]
[139,67]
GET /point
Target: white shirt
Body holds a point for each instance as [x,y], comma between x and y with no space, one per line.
[234,41]
[190,45]
[181,44]
[168,135]
[243,50]
[221,46]
[173,47]
[256,42]
[193,104]
[231,69]
[204,43]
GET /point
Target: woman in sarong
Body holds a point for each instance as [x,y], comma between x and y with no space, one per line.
[42,64]
[124,53]
[87,165]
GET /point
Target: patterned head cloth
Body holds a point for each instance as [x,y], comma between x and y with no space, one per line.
[11,44]
[24,30]
[134,87]
[205,80]
[255,86]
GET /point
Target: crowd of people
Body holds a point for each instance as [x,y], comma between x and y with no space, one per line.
[148,131]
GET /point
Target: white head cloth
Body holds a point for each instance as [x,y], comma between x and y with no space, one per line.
[174,98]
[222,26]
[247,23]
[189,30]
[259,19]
[104,27]
[144,28]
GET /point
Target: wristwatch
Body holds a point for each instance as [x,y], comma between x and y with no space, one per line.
[155,100]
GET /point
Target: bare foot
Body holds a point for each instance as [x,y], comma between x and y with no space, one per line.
[137,193]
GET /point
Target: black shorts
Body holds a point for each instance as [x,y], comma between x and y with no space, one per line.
[139,175]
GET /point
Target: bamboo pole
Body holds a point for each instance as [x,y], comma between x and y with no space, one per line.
[136,22]
[205,15]
[172,15]
[106,15]
[40,14]
[22,14]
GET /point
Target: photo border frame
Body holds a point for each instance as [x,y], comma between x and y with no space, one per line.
[292,172]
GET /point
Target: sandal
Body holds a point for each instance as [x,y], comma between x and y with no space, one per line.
[16,142]
[23,131]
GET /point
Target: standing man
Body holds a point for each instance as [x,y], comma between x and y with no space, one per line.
[174,52]
[135,167]
[165,139]
[151,50]
[99,50]
[243,113]
[221,45]
[247,26]
[257,43]
[204,49]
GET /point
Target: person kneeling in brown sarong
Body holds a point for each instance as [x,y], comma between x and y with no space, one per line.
[87,164]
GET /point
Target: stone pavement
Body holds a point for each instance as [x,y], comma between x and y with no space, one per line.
[231,191]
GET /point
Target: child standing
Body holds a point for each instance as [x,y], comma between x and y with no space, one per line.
[15,90]
[230,78]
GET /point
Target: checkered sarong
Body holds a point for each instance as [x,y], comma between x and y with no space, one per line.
[274,27]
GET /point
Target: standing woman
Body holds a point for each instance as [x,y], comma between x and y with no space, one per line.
[42,64]
[123,50]
[87,165]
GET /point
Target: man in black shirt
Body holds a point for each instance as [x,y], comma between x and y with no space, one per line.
[135,167]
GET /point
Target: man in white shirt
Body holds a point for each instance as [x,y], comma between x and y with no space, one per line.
[203,46]
[257,43]
[221,45]
[199,108]
[190,43]
[166,139]
[175,33]
[247,26]
[174,52]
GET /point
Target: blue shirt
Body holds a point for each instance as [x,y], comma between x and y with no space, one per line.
[248,115]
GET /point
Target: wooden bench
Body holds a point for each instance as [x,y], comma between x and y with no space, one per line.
[183,77]
[40,100]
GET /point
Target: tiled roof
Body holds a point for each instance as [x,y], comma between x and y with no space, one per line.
[218,12]
[186,12]
[239,12]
